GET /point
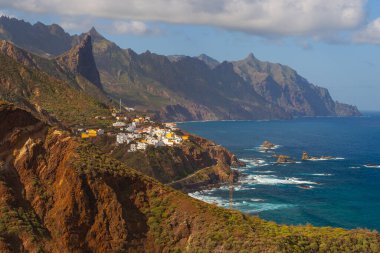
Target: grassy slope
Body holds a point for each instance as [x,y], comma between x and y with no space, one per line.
[69,105]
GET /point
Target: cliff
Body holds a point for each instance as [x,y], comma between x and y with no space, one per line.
[284,87]
[61,195]
[80,61]
[205,162]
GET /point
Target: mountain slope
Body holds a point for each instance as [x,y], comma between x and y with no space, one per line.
[61,195]
[46,40]
[181,88]
[24,80]
[282,86]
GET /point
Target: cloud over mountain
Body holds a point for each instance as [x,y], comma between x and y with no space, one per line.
[266,18]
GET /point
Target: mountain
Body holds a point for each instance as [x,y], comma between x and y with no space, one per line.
[182,88]
[47,84]
[47,40]
[211,62]
[178,89]
[282,86]
[62,195]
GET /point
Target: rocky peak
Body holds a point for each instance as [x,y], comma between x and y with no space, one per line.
[250,58]
[211,62]
[95,34]
[17,54]
[80,60]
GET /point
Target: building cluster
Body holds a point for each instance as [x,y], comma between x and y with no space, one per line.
[141,136]
[139,132]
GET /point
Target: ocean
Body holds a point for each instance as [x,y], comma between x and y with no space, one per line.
[339,193]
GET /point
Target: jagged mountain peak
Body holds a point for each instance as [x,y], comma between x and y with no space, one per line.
[95,34]
[80,60]
[250,58]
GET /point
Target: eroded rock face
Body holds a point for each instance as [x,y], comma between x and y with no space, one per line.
[80,60]
[54,196]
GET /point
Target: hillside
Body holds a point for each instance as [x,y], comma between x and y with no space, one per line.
[62,195]
[42,84]
[182,88]
[206,162]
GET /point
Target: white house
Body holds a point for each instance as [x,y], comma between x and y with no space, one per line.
[119,124]
[141,146]
[122,138]
[132,148]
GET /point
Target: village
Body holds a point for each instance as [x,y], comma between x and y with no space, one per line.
[138,132]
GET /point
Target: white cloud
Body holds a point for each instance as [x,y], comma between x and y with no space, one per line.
[260,17]
[370,34]
[132,27]
[76,24]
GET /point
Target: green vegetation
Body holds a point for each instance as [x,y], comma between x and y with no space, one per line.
[67,104]
[179,223]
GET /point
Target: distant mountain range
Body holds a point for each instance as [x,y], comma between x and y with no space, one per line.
[176,88]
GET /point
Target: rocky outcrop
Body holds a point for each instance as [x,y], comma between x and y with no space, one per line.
[203,161]
[80,60]
[284,159]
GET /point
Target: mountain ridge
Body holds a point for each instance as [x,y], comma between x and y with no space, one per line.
[182,88]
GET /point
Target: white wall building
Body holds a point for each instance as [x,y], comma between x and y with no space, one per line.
[122,138]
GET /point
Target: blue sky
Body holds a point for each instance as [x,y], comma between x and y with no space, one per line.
[333,43]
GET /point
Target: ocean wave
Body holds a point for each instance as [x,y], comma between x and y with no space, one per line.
[372,166]
[263,171]
[326,159]
[274,180]
[253,205]
[251,163]
[261,207]
[321,174]
[256,200]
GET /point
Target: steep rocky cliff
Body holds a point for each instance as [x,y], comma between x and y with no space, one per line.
[207,163]
[60,195]
[282,86]
[80,61]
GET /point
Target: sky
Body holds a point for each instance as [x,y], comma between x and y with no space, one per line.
[332,43]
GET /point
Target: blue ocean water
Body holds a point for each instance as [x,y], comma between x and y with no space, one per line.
[343,192]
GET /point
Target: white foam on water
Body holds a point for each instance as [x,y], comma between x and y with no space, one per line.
[261,207]
[326,159]
[256,200]
[322,174]
[252,163]
[209,199]
[253,205]
[263,171]
[354,167]
[372,166]
[274,180]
